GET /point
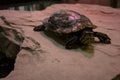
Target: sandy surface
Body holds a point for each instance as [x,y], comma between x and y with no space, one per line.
[48,60]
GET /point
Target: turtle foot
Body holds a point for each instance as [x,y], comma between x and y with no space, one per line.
[86,37]
[102,37]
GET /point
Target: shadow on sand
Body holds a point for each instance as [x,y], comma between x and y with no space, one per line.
[87,51]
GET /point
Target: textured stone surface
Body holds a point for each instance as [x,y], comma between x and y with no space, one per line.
[10,45]
[42,58]
[10,41]
[100,2]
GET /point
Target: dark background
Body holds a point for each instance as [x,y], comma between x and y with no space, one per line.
[32,5]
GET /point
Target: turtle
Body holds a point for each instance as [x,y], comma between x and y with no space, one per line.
[76,28]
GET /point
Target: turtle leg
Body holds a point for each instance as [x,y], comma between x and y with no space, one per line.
[39,28]
[70,42]
[86,37]
[102,37]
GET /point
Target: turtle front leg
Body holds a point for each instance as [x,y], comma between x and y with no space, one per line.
[86,37]
[70,42]
[102,37]
[39,28]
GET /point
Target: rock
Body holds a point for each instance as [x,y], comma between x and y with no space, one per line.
[42,58]
[100,2]
[10,45]
[10,41]
[6,65]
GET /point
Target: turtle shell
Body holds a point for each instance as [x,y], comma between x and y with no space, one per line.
[67,21]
